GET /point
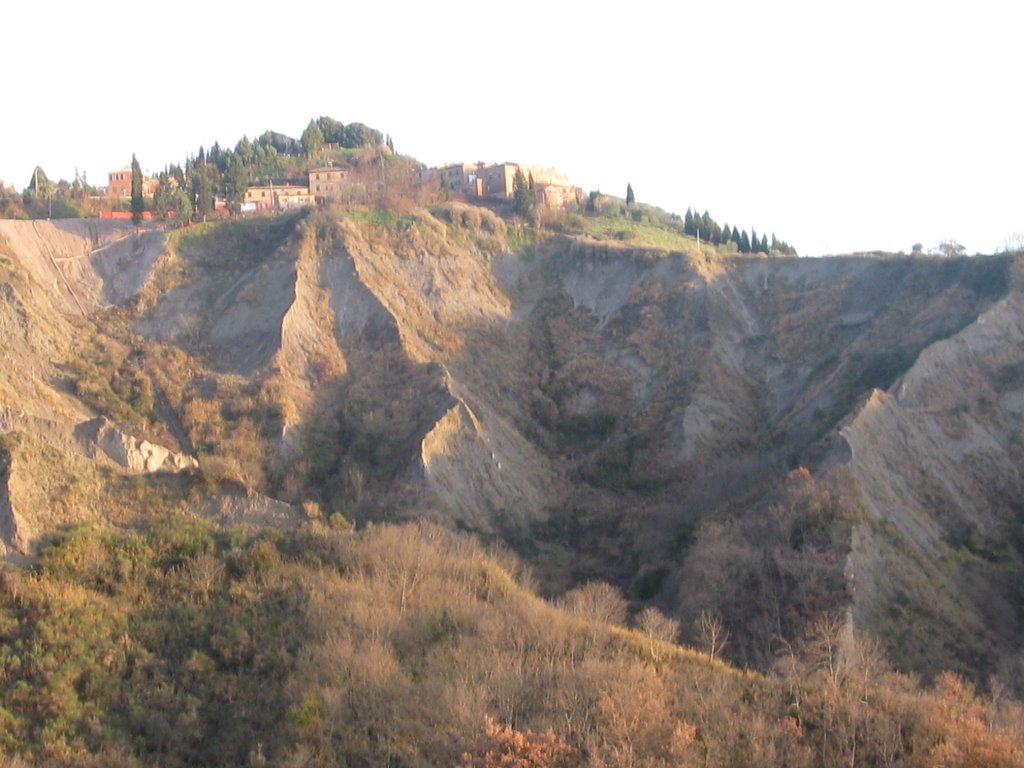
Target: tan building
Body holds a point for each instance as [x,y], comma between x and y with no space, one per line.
[295,198]
[119,184]
[558,195]
[498,180]
[328,183]
[276,197]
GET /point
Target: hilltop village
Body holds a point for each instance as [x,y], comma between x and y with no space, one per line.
[343,165]
[331,183]
[280,174]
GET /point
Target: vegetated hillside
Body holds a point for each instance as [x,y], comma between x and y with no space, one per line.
[771,440]
[182,644]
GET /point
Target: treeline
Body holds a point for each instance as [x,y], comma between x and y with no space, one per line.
[179,644]
[326,130]
[192,188]
[709,231]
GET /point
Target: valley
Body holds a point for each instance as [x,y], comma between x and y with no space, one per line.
[770,440]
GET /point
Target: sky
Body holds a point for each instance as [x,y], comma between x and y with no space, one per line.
[840,127]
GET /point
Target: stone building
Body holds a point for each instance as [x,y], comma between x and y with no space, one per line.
[278,197]
[328,183]
[498,181]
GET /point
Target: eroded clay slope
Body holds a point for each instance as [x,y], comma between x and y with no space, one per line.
[937,465]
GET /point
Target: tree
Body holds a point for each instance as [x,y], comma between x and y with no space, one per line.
[333,130]
[764,243]
[181,204]
[951,248]
[755,244]
[598,602]
[202,189]
[138,204]
[744,242]
[711,632]
[359,135]
[523,197]
[1014,243]
[39,184]
[245,150]
[236,180]
[630,199]
[163,196]
[689,227]
[658,628]
[312,139]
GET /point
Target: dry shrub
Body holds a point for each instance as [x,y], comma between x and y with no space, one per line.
[220,469]
[397,204]
[554,219]
[202,418]
[471,218]
[492,223]
[502,746]
[597,601]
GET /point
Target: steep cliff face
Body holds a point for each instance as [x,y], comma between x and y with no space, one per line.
[613,411]
[937,465]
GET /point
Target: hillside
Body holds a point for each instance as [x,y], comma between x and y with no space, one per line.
[775,441]
[180,644]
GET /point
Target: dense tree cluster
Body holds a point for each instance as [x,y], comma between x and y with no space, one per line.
[708,230]
[351,136]
[192,188]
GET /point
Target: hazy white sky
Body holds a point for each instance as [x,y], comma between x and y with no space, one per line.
[838,126]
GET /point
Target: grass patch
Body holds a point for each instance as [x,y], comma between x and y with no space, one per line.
[631,231]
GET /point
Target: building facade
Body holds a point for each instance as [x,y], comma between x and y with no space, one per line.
[277,197]
[119,184]
[497,180]
[328,183]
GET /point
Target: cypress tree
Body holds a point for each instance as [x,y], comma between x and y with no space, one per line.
[522,195]
[726,234]
[688,226]
[754,242]
[138,204]
[736,237]
[764,243]
[629,194]
[744,242]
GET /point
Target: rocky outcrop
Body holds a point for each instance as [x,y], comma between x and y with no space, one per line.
[482,473]
[134,455]
[16,534]
[248,508]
